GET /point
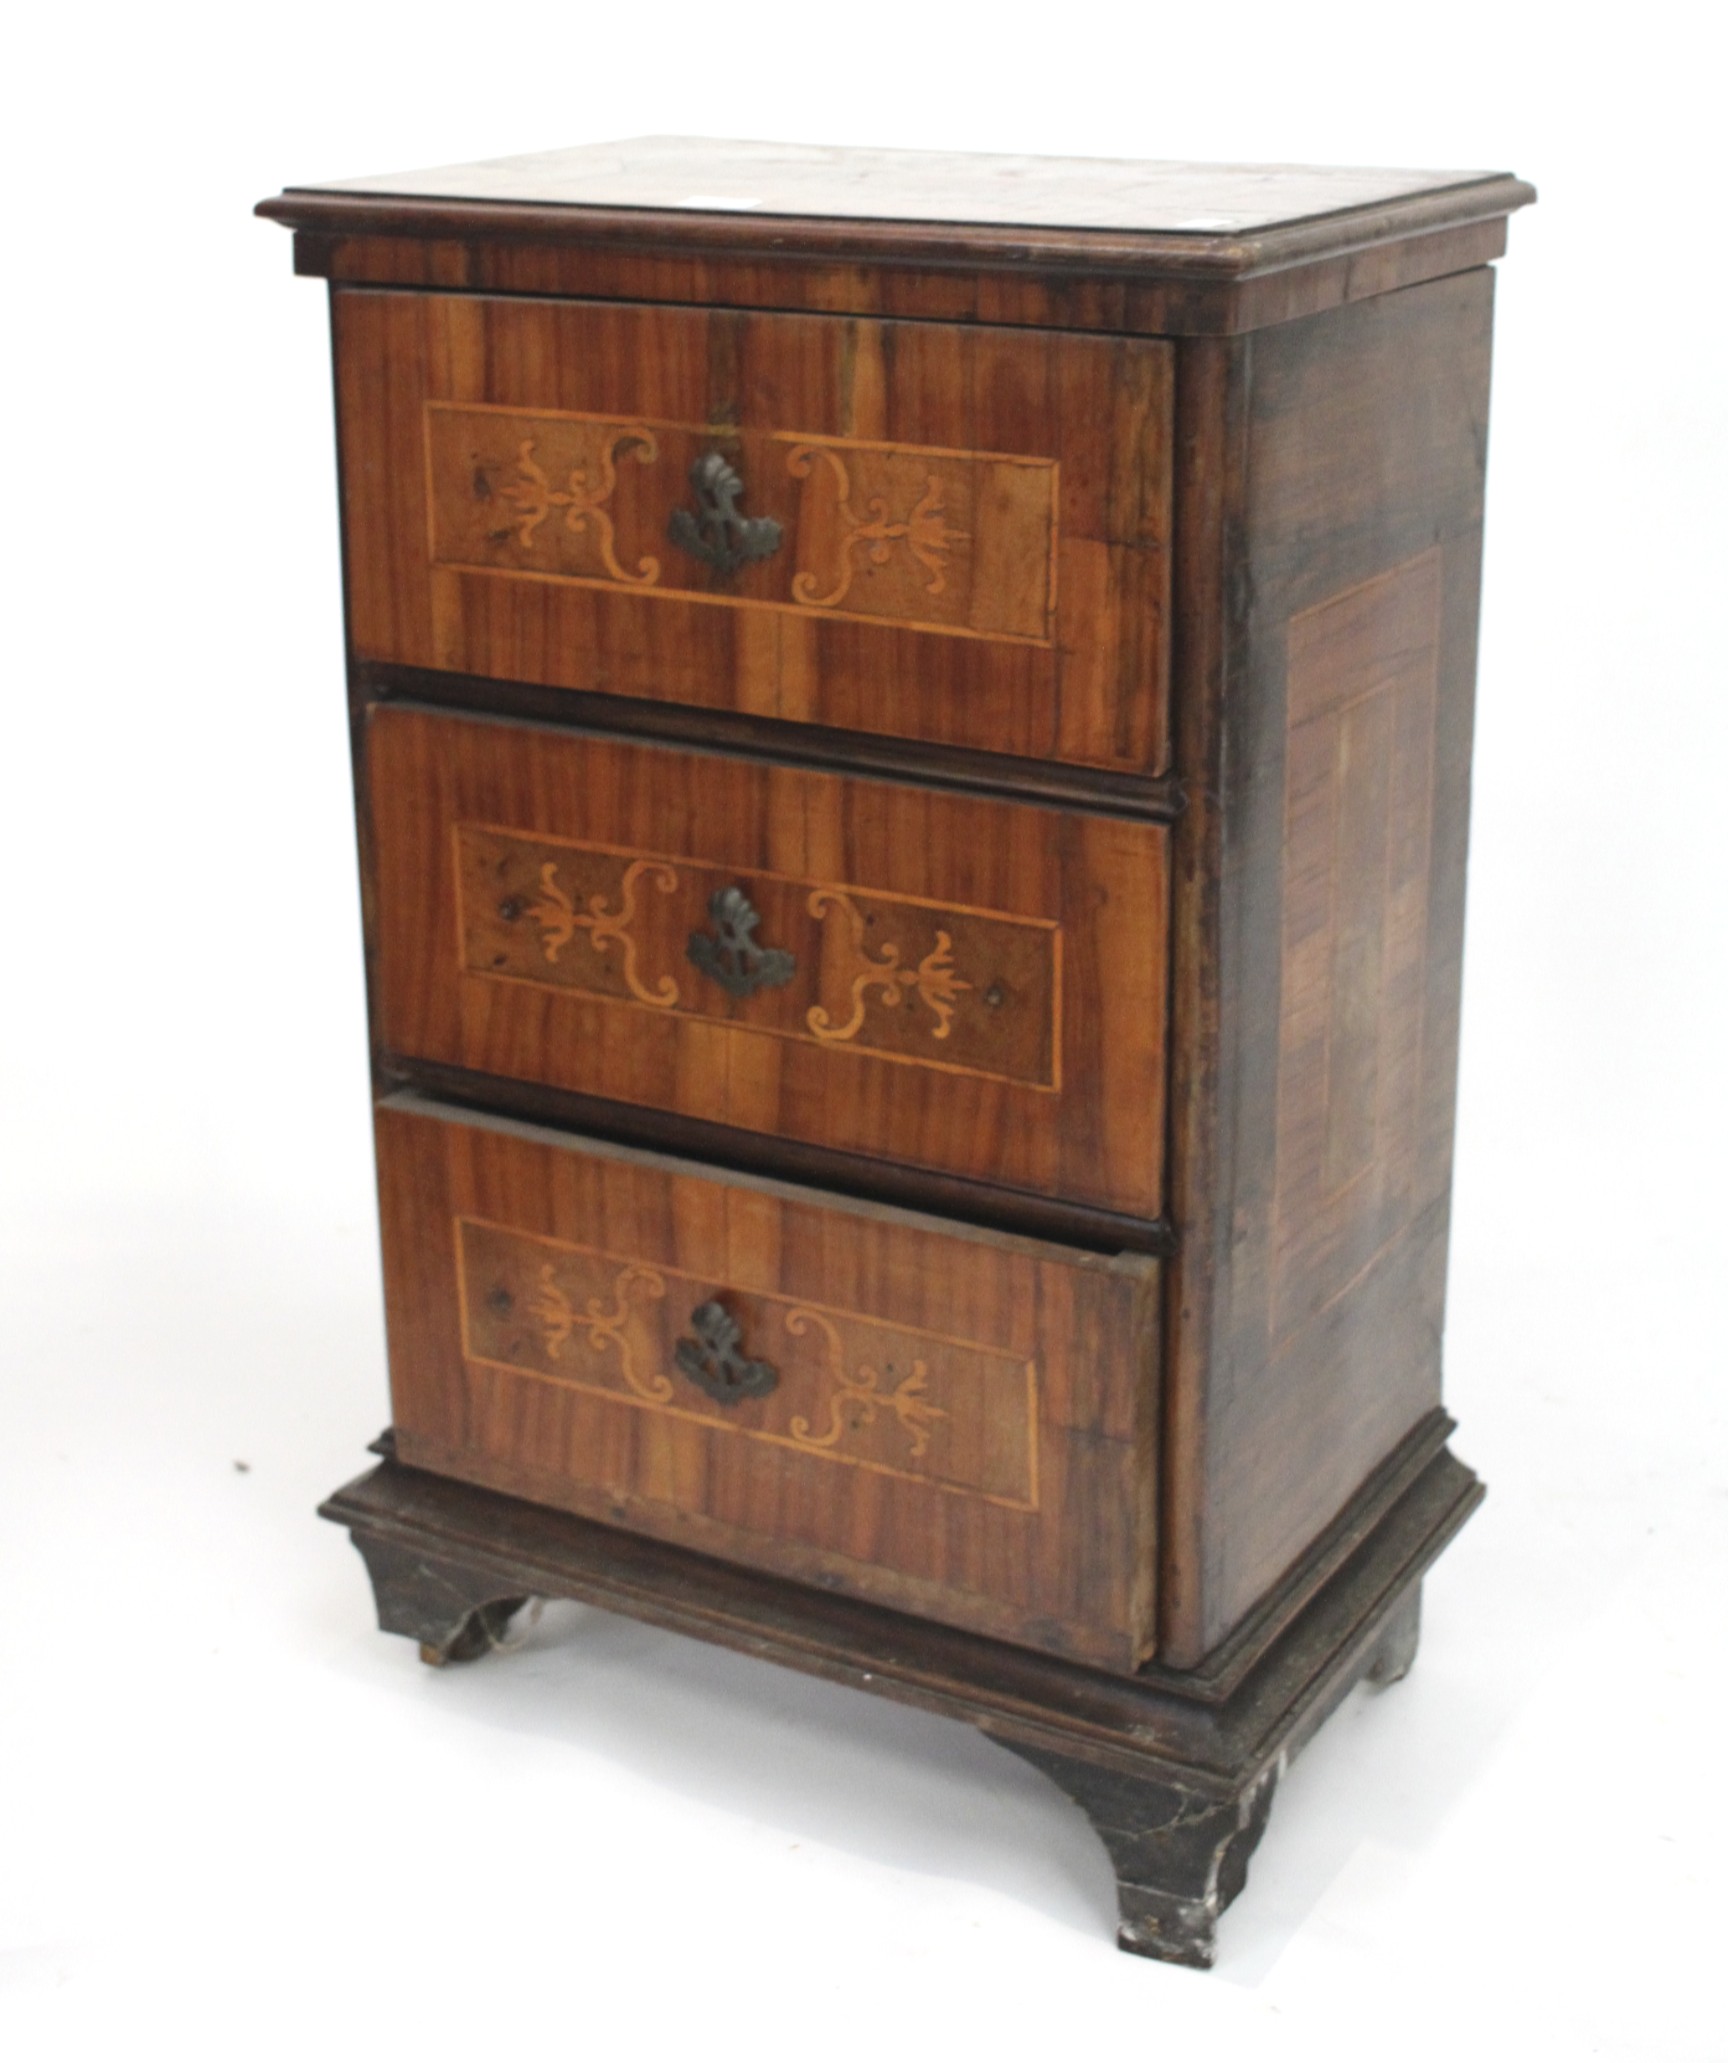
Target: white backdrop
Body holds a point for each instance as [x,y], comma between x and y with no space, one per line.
[237,1822]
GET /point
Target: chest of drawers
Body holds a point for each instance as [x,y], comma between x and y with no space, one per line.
[912,727]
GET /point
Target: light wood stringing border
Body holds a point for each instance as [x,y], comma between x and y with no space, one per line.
[1027,1366]
[1053,1087]
[699,595]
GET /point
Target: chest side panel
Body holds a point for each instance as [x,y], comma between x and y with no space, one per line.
[1342,754]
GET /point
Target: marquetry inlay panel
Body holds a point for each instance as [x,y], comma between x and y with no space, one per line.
[1363,674]
[929,984]
[962,542]
[848,1389]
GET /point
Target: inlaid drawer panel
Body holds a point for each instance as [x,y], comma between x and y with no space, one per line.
[955,1423]
[971,986]
[952,534]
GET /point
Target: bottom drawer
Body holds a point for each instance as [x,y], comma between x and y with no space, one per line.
[956,1423]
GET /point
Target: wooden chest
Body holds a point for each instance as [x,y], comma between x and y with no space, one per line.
[912,730]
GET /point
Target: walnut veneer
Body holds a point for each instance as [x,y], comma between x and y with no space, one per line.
[912,727]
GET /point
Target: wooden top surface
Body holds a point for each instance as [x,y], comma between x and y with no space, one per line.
[1075,243]
[702,176]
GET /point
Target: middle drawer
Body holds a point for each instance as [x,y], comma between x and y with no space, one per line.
[954,983]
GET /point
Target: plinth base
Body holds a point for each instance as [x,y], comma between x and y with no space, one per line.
[1175,1771]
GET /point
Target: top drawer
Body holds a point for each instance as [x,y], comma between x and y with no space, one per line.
[962,534]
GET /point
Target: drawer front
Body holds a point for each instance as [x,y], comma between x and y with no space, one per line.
[956,535]
[970,986]
[941,1421]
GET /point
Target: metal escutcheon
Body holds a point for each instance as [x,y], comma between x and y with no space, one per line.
[715,1361]
[715,531]
[729,953]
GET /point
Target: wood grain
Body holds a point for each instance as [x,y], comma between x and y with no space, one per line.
[1078,245]
[1358,817]
[847,1388]
[468,248]
[979,987]
[976,523]
[1176,1789]
[852,1177]
[535,1291]
[971,992]
[1015,1692]
[1317,1008]
[1210,607]
[958,542]
[475,249]
[730,176]
[1071,784]
[1157,797]
[1284,507]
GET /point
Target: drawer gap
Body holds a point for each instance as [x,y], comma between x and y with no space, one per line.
[1156,799]
[724,1147]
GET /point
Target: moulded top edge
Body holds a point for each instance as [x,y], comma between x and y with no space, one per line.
[708,181]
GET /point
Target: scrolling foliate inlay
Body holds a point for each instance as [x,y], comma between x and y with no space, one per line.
[845,968]
[589,486]
[559,921]
[933,981]
[858,1393]
[600,1328]
[922,529]
[957,542]
[952,1413]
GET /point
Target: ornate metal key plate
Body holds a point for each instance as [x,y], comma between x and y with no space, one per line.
[717,533]
[730,954]
[715,1361]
